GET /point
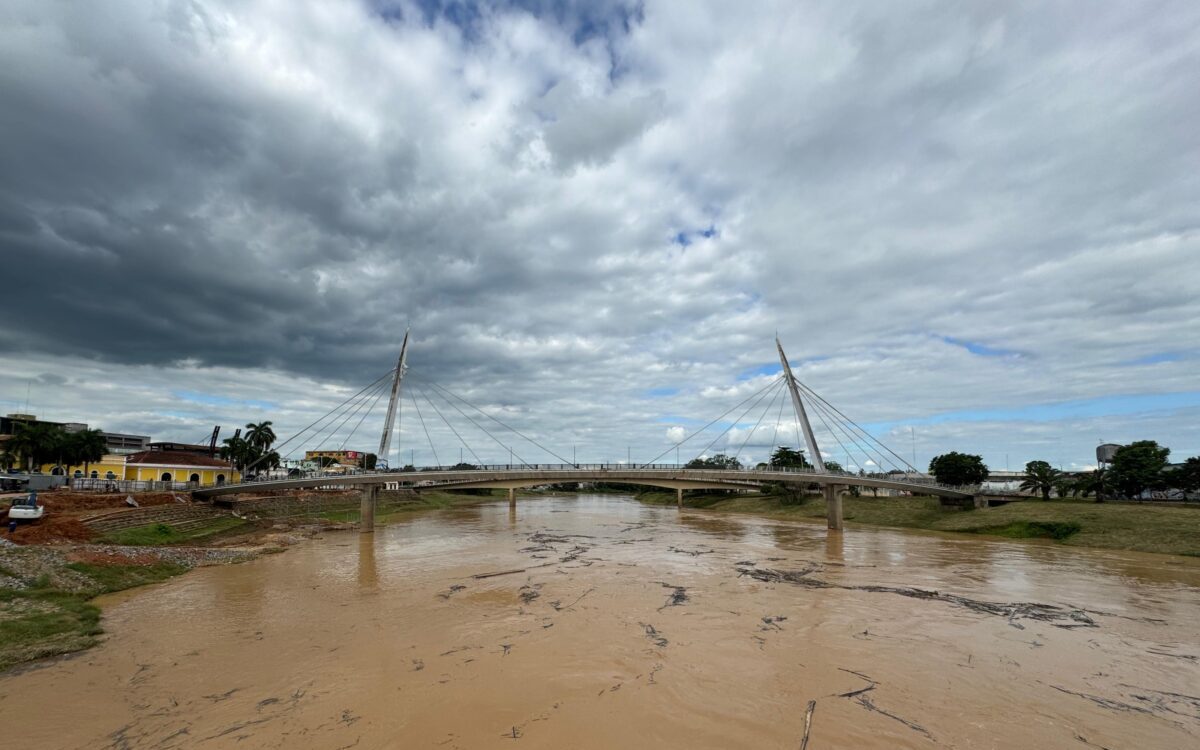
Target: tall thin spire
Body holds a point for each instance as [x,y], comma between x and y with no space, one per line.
[385,440]
[801,415]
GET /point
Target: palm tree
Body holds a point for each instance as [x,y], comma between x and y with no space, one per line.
[260,435]
[87,446]
[36,443]
[1040,477]
[237,451]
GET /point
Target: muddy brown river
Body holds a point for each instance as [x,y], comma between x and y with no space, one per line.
[595,622]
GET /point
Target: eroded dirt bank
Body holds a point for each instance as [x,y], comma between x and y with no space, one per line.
[596,622]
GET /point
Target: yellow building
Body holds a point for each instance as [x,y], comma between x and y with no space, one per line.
[112,466]
[178,466]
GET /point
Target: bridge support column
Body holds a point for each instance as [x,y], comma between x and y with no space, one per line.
[366,511]
[833,506]
[512,498]
[678,497]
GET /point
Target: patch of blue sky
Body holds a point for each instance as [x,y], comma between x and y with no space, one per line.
[208,399]
[661,392]
[981,349]
[676,419]
[683,237]
[1104,406]
[770,368]
[1159,358]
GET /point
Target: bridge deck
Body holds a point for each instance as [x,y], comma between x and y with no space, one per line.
[517,477]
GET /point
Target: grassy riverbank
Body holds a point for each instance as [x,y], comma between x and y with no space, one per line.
[396,505]
[45,600]
[1127,526]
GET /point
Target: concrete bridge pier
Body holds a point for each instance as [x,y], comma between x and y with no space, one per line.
[512,498]
[833,506]
[679,497]
[366,511]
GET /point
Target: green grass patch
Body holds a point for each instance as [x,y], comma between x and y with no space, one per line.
[1173,530]
[156,534]
[111,578]
[1033,530]
[41,621]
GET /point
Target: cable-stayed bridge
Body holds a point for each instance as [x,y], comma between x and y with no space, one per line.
[807,468]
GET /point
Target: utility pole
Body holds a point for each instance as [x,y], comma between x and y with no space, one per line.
[801,415]
[385,441]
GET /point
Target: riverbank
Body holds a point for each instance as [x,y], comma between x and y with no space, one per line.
[47,590]
[1168,530]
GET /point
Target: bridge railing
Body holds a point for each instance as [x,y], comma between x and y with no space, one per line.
[398,474]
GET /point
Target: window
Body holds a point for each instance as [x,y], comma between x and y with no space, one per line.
[220,479]
[194,478]
[78,473]
[96,474]
[57,471]
[166,477]
[109,475]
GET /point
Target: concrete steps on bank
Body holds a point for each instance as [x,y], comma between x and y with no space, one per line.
[181,517]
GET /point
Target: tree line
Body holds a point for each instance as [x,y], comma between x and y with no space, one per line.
[34,444]
[1135,469]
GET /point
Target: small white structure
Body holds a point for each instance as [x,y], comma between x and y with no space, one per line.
[26,509]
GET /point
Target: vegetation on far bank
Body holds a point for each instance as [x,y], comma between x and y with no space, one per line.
[1127,526]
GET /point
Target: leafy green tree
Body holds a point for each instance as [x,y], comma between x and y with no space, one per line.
[719,461]
[1095,482]
[1187,477]
[958,469]
[788,458]
[1040,477]
[1138,467]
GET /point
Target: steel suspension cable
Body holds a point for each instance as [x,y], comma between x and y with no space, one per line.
[857,426]
[760,419]
[444,389]
[425,428]
[710,424]
[323,416]
[732,425]
[437,411]
[350,414]
[361,419]
[778,417]
[872,455]
[484,430]
[836,438]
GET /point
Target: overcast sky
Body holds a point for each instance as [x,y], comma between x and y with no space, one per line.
[975,225]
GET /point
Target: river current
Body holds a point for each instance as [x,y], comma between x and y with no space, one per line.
[593,621]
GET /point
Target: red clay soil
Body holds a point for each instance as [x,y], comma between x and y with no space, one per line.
[49,529]
[66,501]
